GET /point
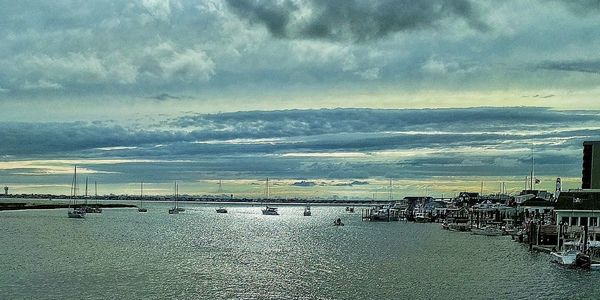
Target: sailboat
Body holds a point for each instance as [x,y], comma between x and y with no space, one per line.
[75,212]
[174,209]
[142,208]
[88,208]
[272,211]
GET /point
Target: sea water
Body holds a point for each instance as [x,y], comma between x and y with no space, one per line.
[199,254]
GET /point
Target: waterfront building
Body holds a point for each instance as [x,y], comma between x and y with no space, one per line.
[537,206]
[578,208]
[590,173]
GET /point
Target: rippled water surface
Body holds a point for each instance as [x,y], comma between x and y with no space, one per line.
[200,254]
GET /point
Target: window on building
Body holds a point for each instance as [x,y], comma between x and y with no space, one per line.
[565,220]
[593,221]
[583,221]
[573,221]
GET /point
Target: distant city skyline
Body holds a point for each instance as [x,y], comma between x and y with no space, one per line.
[429,93]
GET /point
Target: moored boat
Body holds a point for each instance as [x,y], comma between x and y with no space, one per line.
[75,212]
[221,210]
[565,258]
[307,212]
[488,231]
[272,211]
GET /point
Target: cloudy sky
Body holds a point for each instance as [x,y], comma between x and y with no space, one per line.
[438,95]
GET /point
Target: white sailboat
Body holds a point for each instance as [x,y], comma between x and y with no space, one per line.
[174,209]
[142,208]
[271,211]
[75,212]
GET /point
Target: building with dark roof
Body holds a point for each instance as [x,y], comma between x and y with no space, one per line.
[590,172]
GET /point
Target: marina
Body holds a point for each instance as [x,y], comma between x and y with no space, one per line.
[210,255]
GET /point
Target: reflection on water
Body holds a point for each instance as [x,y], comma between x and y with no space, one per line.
[244,254]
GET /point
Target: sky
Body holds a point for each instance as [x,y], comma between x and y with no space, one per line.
[438,96]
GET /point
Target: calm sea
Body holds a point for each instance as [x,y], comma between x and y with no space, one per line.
[199,254]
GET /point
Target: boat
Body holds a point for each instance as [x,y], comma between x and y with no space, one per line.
[422,217]
[461,227]
[307,212]
[565,258]
[338,222]
[142,208]
[270,211]
[445,226]
[75,212]
[175,209]
[488,231]
[350,209]
[221,210]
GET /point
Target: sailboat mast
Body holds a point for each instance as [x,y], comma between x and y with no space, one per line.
[141,193]
[532,169]
[86,190]
[96,191]
[390,194]
[267,188]
[75,182]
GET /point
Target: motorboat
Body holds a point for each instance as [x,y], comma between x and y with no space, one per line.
[272,211]
[462,227]
[307,212]
[77,213]
[422,217]
[173,210]
[566,258]
[445,226]
[350,209]
[338,222]
[221,210]
[488,231]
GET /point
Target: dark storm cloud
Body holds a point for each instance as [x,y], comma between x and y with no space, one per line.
[301,130]
[352,19]
[584,66]
[47,138]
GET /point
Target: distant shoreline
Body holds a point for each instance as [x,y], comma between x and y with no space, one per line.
[194,199]
[22,203]
[28,206]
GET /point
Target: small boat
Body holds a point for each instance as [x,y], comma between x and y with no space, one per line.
[173,211]
[221,210]
[338,222]
[422,217]
[445,226]
[565,258]
[350,209]
[77,213]
[307,212]
[488,231]
[272,211]
[459,227]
